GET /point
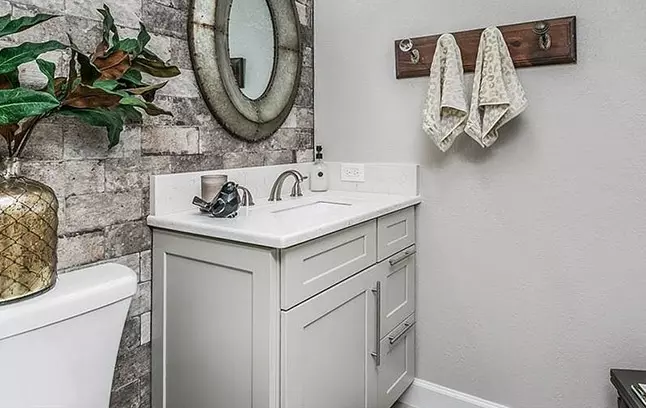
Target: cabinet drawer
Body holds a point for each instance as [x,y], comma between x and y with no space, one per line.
[395,232]
[398,289]
[397,370]
[314,266]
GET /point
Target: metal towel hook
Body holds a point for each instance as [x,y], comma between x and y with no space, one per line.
[542,29]
[406,45]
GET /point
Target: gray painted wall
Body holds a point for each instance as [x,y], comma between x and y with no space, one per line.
[103,194]
[532,254]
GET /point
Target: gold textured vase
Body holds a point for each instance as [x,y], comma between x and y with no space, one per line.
[28,234]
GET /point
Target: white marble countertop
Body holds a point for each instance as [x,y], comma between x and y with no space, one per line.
[289,222]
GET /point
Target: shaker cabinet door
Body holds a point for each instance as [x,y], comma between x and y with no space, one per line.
[327,345]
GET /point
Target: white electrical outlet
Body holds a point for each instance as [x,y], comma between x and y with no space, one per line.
[353,172]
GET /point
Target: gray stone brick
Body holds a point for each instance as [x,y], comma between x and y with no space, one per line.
[141,302]
[305,96]
[84,177]
[81,141]
[178,4]
[80,249]
[128,238]
[235,160]
[145,391]
[273,158]
[131,336]
[170,140]
[94,211]
[134,173]
[131,261]
[180,54]
[131,366]
[303,14]
[286,138]
[214,139]
[308,57]
[186,112]
[46,142]
[193,163]
[184,85]
[302,118]
[127,396]
[162,19]
[145,266]
[126,12]
[49,173]
[145,328]
[305,156]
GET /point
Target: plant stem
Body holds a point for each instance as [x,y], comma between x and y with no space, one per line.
[31,125]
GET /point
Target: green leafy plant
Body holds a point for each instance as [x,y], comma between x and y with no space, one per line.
[105,89]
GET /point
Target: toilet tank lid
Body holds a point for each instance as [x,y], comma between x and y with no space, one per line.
[75,293]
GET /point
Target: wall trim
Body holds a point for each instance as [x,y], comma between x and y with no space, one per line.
[424,394]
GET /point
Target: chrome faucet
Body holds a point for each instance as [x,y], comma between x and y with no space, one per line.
[247,198]
[277,188]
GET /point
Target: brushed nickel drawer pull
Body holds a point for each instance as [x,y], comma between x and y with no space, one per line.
[377,354]
[408,253]
[395,339]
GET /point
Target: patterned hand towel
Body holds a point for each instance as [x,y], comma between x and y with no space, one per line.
[498,95]
[445,111]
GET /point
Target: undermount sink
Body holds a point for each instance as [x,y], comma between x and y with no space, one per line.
[318,207]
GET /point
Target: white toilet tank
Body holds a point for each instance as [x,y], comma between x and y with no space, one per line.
[58,350]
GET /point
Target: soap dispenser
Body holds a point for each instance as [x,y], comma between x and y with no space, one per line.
[319,175]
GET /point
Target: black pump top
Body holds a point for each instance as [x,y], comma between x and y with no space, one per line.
[319,152]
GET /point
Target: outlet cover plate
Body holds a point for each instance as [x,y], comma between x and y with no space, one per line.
[355,173]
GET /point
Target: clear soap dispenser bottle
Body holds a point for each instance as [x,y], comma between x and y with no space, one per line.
[319,176]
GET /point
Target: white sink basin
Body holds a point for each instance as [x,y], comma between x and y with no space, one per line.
[315,208]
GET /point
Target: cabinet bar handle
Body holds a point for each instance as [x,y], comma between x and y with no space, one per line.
[395,339]
[402,257]
[377,353]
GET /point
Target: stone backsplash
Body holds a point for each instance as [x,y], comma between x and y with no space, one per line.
[104,194]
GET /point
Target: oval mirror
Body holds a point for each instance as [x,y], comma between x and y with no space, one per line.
[251,46]
[247,59]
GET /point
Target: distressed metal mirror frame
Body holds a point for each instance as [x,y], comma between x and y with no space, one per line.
[248,119]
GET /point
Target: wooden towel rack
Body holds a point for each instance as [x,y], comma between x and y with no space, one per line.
[545,42]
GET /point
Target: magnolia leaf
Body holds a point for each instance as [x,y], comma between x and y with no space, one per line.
[12,58]
[72,75]
[133,79]
[143,38]
[147,92]
[114,65]
[60,85]
[89,73]
[150,109]
[109,27]
[109,119]
[10,80]
[154,66]
[20,103]
[49,70]
[154,110]
[9,26]
[129,113]
[107,85]
[84,96]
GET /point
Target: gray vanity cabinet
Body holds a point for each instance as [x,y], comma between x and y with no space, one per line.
[321,324]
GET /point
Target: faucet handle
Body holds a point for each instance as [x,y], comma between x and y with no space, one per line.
[247,198]
[297,190]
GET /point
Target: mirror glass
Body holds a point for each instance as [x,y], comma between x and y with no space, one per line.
[251,46]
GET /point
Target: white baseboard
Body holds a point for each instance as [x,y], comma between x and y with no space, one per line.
[423,394]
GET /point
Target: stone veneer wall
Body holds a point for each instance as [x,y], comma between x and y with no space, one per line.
[104,195]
